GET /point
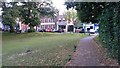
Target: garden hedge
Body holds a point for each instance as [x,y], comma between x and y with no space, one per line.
[110,29]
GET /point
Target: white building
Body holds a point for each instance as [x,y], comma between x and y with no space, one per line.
[47,23]
[64,24]
[1,25]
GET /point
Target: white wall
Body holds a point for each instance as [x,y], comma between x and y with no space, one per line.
[1,25]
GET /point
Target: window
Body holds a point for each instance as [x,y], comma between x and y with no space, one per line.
[46,26]
[59,20]
[91,27]
[41,21]
[45,20]
[49,20]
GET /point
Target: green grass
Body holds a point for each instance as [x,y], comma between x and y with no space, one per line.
[47,48]
[97,38]
[111,53]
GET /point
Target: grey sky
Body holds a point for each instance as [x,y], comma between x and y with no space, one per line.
[59,4]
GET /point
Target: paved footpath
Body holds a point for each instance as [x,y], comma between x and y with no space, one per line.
[85,55]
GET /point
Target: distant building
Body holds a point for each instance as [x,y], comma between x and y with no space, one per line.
[61,22]
[1,25]
[47,22]
[64,24]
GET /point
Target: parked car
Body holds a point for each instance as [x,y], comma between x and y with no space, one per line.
[81,30]
[44,30]
[54,30]
[41,30]
[48,30]
[61,30]
[92,31]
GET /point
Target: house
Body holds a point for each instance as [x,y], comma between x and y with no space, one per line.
[1,25]
[64,24]
[47,23]
[61,22]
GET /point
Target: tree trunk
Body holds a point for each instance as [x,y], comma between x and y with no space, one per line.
[11,29]
[31,29]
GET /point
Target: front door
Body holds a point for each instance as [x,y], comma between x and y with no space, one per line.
[70,28]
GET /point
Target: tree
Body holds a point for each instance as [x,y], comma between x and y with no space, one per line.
[30,14]
[71,14]
[87,11]
[10,13]
[46,8]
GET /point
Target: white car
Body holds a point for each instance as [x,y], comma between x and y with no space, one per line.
[92,31]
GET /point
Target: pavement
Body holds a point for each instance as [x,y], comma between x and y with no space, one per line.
[86,54]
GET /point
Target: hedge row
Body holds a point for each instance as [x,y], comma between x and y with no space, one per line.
[110,29]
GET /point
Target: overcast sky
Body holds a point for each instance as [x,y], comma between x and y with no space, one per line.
[59,4]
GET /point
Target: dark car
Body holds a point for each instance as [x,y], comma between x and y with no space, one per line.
[44,30]
[41,30]
[60,30]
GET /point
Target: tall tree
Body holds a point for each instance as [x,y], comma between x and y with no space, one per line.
[71,14]
[10,13]
[30,14]
[87,11]
[46,8]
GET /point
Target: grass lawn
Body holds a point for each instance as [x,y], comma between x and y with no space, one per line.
[45,48]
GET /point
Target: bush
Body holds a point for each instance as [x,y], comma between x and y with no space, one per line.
[31,30]
[110,30]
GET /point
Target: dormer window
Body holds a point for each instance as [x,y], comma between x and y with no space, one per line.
[59,20]
[63,19]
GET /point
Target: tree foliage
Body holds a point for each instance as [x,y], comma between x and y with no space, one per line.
[87,11]
[109,28]
[70,14]
[30,14]
[10,13]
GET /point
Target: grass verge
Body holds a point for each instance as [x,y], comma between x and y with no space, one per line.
[104,55]
[38,49]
